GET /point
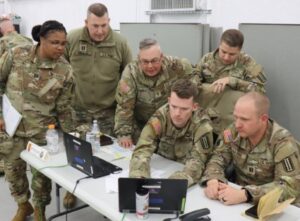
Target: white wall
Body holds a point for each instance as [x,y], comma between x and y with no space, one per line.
[225,13]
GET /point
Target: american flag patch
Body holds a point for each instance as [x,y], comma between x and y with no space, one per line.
[227,136]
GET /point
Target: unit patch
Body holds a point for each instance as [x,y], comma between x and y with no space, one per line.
[288,164]
[204,142]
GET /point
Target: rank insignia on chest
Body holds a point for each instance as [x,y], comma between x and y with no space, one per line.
[251,170]
[288,164]
[227,136]
[83,48]
[204,142]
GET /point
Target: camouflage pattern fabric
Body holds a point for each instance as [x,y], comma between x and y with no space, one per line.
[274,162]
[41,91]
[190,145]
[97,71]
[139,96]
[244,75]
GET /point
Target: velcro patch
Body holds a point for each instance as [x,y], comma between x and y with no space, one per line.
[227,136]
[204,142]
[124,88]
[156,125]
[288,164]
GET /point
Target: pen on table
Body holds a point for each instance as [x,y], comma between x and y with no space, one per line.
[118,158]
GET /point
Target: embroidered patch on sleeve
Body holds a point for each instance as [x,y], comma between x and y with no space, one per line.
[288,164]
[204,142]
[156,125]
[124,88]
[227,136]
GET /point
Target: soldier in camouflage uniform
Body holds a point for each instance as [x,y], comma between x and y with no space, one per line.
[9,40]
[264,156]
[144,87]
[227,73]
[178,131]
[98,56]
[38,82]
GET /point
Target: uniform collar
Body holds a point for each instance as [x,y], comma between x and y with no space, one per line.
[41,63]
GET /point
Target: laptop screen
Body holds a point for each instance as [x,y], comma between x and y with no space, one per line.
[165,195]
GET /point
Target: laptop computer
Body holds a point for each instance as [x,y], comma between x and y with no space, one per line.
[80,156]
[165,195]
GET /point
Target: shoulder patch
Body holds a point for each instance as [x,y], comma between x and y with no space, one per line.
[288,164]
[155,123]
[205,142]
[124,88]
[227,136]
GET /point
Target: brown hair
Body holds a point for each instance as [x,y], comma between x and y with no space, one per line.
[185,89]
[233,38]
[97,9]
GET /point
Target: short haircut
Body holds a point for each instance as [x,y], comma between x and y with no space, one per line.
[233,38]
[147,43]
[185,89]
[46,28]
[97,9]
[261,102]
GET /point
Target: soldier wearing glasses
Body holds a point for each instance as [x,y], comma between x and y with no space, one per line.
[144,87]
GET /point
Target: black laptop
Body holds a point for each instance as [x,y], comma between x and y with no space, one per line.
[165,195]
[80,156]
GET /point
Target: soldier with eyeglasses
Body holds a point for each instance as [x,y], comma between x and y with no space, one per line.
[144,87]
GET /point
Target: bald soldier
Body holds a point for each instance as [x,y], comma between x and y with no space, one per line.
[227,73]
[178,131]
[264,155]
[144,87]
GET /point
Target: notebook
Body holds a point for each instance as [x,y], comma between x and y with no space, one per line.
[165,195]
[80,156]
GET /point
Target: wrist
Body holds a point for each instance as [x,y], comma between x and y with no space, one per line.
[248,197]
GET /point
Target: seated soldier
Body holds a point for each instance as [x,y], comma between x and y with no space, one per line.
[264,156]
[178,131]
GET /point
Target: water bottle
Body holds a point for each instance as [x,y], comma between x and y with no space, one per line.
[96,133]
[52,139]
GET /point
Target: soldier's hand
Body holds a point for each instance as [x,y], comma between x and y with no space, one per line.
[125,142]
[2,125]
[220,84]
[211,190]
[229,195]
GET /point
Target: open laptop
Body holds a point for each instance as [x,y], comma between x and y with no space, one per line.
[165,195]
[80,156]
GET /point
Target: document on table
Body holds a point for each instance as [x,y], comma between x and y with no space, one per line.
[11,116]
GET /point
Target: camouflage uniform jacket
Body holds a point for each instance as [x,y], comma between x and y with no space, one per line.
[139,96]
[39,89]
[190,145]
[244,74]
[97,68]
[274,162]
[11,40]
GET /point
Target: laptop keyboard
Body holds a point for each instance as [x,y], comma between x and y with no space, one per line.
[102,167]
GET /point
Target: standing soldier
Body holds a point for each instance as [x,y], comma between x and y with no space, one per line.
[144,87]
[98,56]
[38,82]
[264,156]
[10,38]
[227,73]
[178,131]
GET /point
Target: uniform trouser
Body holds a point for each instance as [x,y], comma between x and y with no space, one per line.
[15,174]
[105,118]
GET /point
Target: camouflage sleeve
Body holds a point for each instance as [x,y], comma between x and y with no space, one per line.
[220,159]
[63,103]
[254,78]
[126,98]
[140,160]
[287,168]
[6,61]
[195,163]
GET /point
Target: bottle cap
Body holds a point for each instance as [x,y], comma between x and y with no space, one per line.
[51,126]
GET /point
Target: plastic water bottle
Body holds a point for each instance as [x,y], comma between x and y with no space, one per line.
[52,139]
[96,132]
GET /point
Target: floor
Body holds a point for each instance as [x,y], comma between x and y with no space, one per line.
[8,207]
